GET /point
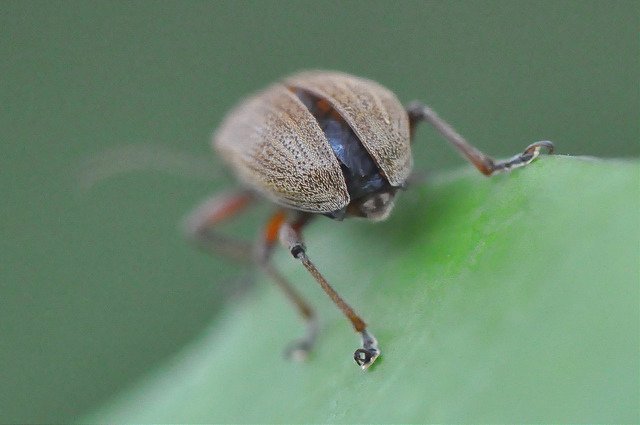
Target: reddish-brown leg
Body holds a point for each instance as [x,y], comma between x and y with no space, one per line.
[299,349]
[291,238]
[199,225]
[200,228]
[485,164]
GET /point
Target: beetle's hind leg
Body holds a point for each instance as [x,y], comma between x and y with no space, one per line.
[290,237]
[485,164]
[200,228]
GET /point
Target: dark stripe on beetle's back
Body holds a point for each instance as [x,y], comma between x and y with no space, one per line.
[361,174]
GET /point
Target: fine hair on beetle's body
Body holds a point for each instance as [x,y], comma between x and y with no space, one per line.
[321,143]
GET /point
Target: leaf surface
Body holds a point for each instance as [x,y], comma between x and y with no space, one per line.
[510,299]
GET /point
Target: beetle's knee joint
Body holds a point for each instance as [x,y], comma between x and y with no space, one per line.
[297,250]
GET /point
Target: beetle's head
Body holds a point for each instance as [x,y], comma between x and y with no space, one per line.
[376,206]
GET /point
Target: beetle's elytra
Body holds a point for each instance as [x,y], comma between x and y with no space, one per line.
[305,142]
[321,143]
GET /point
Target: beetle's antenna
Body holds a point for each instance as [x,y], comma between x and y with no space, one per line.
[369,352]
[142,157]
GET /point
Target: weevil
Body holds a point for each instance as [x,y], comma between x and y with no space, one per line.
[321,143]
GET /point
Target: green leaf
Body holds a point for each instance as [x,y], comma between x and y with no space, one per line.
[510,299]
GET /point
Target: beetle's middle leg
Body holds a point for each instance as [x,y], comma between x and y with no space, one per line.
[200,227]
[298,350]
[485,164]
[291,238]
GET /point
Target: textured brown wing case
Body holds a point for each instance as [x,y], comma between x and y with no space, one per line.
[373,112]
[277,148]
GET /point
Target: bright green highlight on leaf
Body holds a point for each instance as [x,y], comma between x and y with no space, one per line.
[509,299]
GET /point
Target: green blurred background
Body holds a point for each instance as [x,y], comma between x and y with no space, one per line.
[98,288]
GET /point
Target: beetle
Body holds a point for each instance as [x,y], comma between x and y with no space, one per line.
[321,143]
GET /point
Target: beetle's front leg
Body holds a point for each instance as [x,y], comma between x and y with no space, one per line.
[485,164]
[365,356]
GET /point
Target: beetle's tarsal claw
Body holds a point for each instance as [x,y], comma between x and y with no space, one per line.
[369,352]
[365,358]
[298,351]
[530,153]
[534,148]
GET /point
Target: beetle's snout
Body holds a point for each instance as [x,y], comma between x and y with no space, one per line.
[377,206]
